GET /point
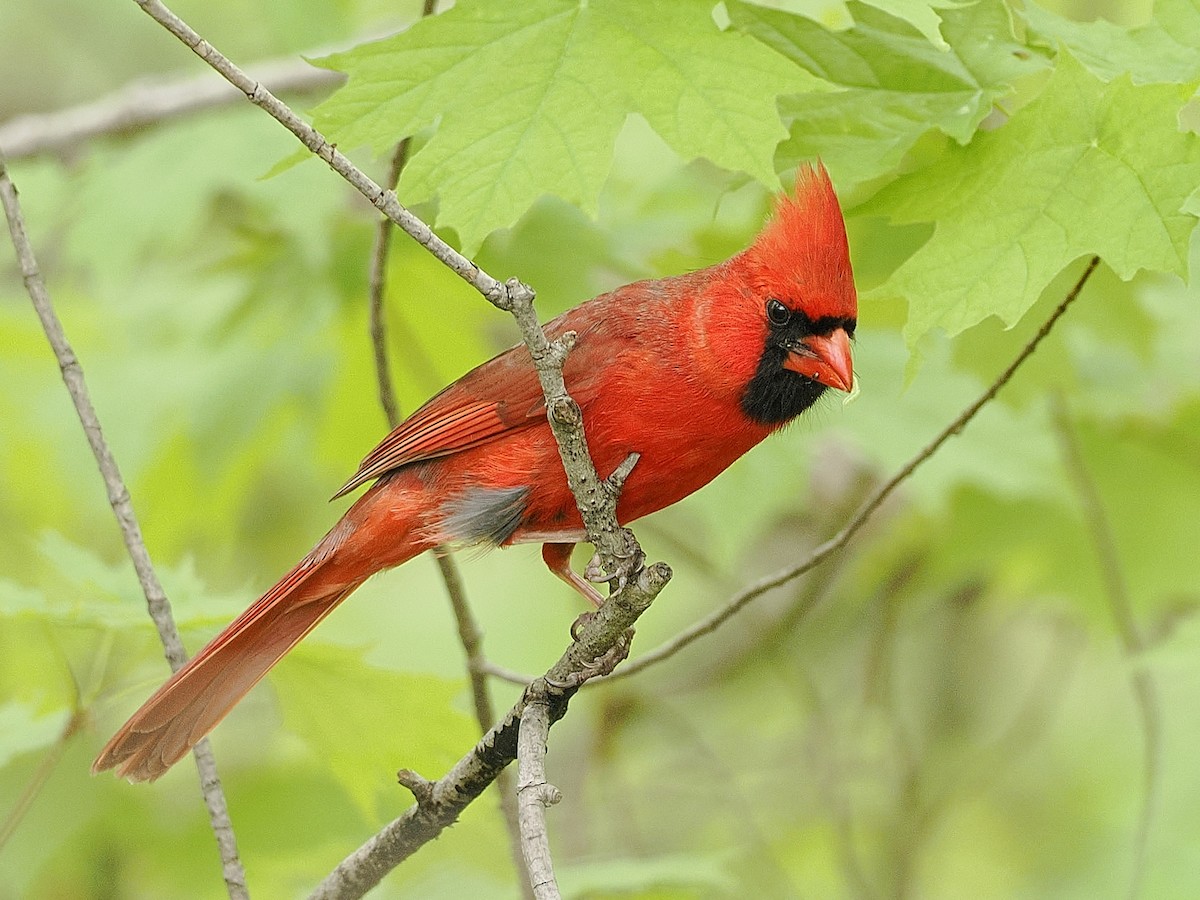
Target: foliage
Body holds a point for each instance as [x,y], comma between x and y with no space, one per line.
[529,99]
[945,710]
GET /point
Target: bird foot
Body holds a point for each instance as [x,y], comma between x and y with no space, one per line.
[607,662]
[603,664]
[628,562]
[583,619]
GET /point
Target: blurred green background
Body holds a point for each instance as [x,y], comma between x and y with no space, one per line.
[944,710]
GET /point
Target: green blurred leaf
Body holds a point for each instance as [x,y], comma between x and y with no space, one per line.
[921,15]
[1021,203]
[1167,49]
[24,727]
[529,98]
[365,722]
[898,86]
[659,876]
[80,588]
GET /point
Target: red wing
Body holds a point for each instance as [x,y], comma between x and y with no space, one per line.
[498,397]
[447,424]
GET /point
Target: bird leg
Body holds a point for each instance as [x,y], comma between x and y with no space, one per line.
[558,560]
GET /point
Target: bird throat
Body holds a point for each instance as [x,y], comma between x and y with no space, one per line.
[776,395]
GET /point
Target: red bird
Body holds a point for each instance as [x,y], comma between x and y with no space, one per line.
[690,372]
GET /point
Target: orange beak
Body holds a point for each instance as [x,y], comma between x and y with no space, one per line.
[826,360]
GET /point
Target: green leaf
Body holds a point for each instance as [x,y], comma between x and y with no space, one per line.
[1021,203]
[633,877]
[898,86]
[920,15]
[82,589]
[528,99]
[1166,50]
[24,727]
[366,722]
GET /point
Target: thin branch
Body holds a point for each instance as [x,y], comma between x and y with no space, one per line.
[485,713]
[512,676]
[377,288]
[1133,643]
[534,794]
[597,500]
[41,775]
[471,639]
[131,532]
[143,104]
[752,592]
[377,283]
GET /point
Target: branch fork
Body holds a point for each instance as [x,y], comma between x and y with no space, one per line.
[420,788]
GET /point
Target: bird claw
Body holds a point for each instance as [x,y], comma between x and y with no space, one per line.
[594,571]
[628,563]
[607,662]
[603,664]
[583,619]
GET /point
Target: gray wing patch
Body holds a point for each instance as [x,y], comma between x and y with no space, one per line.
[486,516]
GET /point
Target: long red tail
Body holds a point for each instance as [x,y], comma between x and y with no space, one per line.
[373,535]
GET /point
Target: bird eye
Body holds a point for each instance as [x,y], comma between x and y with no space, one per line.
[777,313]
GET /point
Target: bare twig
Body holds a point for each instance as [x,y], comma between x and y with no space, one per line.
[41,775]
[377,288]
[1133,643]
[597,499]
[145,103]
[505,674]
[534,794]
[752,592]
[131,532]
[485,713]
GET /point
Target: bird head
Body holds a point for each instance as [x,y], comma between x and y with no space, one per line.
[791,307]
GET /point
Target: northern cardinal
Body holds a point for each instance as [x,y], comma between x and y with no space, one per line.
[690,372]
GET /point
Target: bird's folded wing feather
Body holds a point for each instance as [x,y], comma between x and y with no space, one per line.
[496,398]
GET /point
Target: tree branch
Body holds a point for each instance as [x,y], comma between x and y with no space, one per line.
[596,498]
[521,679]
[534,794]
[45,768]
[142,104]
[377,289]
[753,591]
[485,713]
[494,291]
[131,532]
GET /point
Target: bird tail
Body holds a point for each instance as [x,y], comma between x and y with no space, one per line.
[373,535]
